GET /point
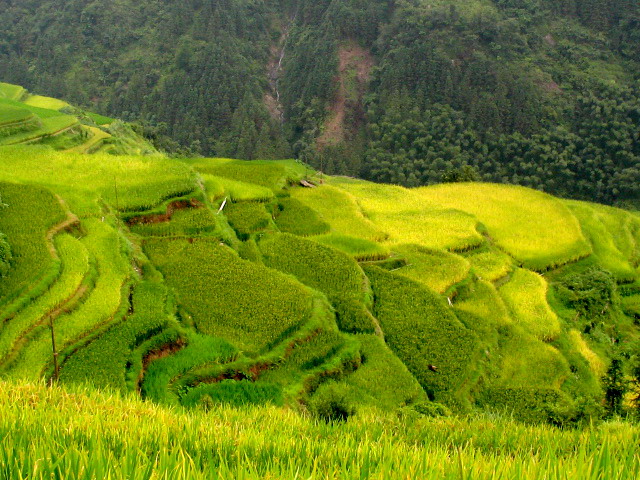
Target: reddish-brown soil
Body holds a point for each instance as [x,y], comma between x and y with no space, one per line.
[165,217]
[351,57]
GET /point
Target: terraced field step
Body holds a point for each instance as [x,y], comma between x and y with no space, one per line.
[50,127]
[93,143]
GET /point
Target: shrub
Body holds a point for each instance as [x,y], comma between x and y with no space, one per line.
[331,403]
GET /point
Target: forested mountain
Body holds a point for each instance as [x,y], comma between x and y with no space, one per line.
[542,93]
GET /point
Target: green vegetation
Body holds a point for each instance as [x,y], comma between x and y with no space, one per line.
[44,433]
[340,210]
[32,266]
[526,296]
[294,217]
[125,183]
[436,348]
[512,216]
[435,269]
[359,248]
[247,218]
[244,303]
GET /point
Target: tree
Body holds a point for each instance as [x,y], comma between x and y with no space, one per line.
[615,386]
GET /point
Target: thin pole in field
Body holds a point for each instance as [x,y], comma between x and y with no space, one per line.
[56,367]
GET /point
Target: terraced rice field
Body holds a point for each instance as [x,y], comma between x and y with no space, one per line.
[512,216]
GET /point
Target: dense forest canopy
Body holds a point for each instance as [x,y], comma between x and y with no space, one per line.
[542,93]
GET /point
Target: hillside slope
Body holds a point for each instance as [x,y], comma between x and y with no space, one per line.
[210,280]
[34,119]
[537,93]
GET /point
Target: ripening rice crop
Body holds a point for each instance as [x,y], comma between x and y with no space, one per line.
[423,332]
[49,126]
[103,362]
[526,361]
[44,435]
[10,114]
[17,330]
[525,294]
[490,264]
[186,222]
[537,229]
[98,309]
[295,217]
[408,219]
[247,304]
[487,309]
[271,174]
[199,350]
[437,270]
[235,190]
[45,102]
[610,233]
[11,92]
[597,365]
[29,213]
[382,379]
[340,210]
[360,249]
[124,182]
[320,267]
[247,218]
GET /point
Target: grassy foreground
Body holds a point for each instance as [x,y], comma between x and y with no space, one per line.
[79,433]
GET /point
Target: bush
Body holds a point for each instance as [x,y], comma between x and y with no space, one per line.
[590,292]
[331,403]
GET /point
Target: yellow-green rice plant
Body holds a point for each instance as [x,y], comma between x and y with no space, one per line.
[272,174]
[340,210]
[596,363]
[360,249]
[525,361]
[292,216]
[383,380]
[481,299]
[237,191]
[98,309]
[435,269]
[188,222]
[525,294]
[10,114]
[490,264]
[49,126]
[29,214]
[18,330]
[247,218]
[125,183]
[45,102]
[408,219]
[103,362]
[99,119]
[197,350]
[423,332]
[606,231]
[79,434]
[537,229]
[12,92]
[320,267]
[247,304]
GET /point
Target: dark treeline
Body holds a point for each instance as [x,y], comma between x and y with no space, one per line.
[543,93]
